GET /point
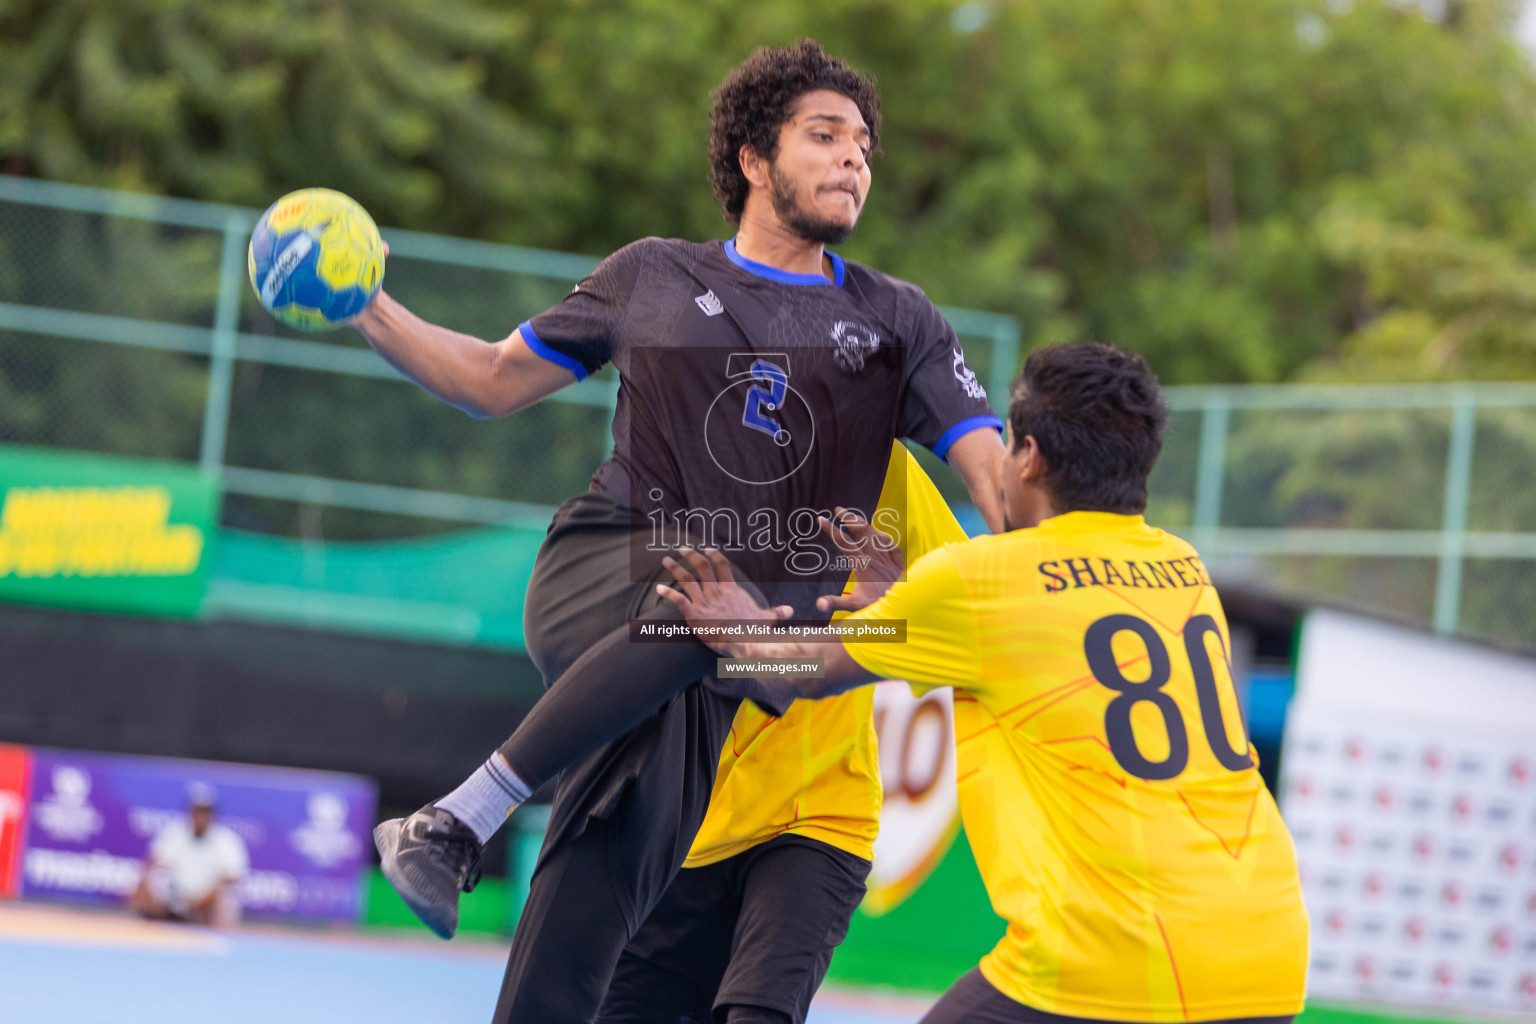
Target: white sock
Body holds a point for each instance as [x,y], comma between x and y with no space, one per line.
[485,799]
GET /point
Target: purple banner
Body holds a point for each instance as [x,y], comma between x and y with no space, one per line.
[93,816]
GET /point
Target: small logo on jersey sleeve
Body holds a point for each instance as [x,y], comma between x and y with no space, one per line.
[709,303]
[854,344]
[967,378]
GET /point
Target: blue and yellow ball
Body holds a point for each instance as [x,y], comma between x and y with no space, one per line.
[316,259]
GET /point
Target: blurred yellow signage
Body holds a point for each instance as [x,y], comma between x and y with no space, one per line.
[95,531]
[103,533]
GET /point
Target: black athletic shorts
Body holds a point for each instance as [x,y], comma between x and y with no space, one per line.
[756,929]
[973,1000]
[583,586]
[624,817]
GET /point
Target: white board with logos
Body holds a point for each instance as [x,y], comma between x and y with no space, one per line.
[1409,785]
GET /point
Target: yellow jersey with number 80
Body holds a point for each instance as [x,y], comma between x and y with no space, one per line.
[1106,781]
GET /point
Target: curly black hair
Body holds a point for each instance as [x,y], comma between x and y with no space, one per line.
[756,99]
[1098,415]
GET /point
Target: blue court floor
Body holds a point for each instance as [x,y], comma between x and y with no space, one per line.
[65,966]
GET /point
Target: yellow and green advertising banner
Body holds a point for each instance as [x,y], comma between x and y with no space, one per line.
[104,533]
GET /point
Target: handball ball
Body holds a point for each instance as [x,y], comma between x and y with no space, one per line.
[316,259]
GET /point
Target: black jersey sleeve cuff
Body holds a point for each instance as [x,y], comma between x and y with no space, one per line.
[558,358]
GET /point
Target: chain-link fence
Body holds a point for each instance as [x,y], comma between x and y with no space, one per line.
[1418,500]
[127,326]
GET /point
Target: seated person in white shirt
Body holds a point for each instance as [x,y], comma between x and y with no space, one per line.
[193,869]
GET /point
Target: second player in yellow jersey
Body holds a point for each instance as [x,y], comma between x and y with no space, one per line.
[1106,782]
[1108,790]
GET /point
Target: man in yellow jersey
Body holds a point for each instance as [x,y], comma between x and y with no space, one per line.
[779,864]
[1106,783]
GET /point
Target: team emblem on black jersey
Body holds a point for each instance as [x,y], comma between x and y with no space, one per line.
[854,344]
[759,429]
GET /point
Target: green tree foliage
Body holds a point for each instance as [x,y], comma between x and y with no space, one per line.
[1240,190]
[239,100]
[1435,302]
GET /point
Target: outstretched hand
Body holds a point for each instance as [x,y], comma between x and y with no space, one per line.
[707,591]
[877,559]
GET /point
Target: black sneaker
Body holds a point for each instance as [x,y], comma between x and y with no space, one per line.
[430,858]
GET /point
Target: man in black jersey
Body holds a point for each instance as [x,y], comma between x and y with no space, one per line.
[763,380]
